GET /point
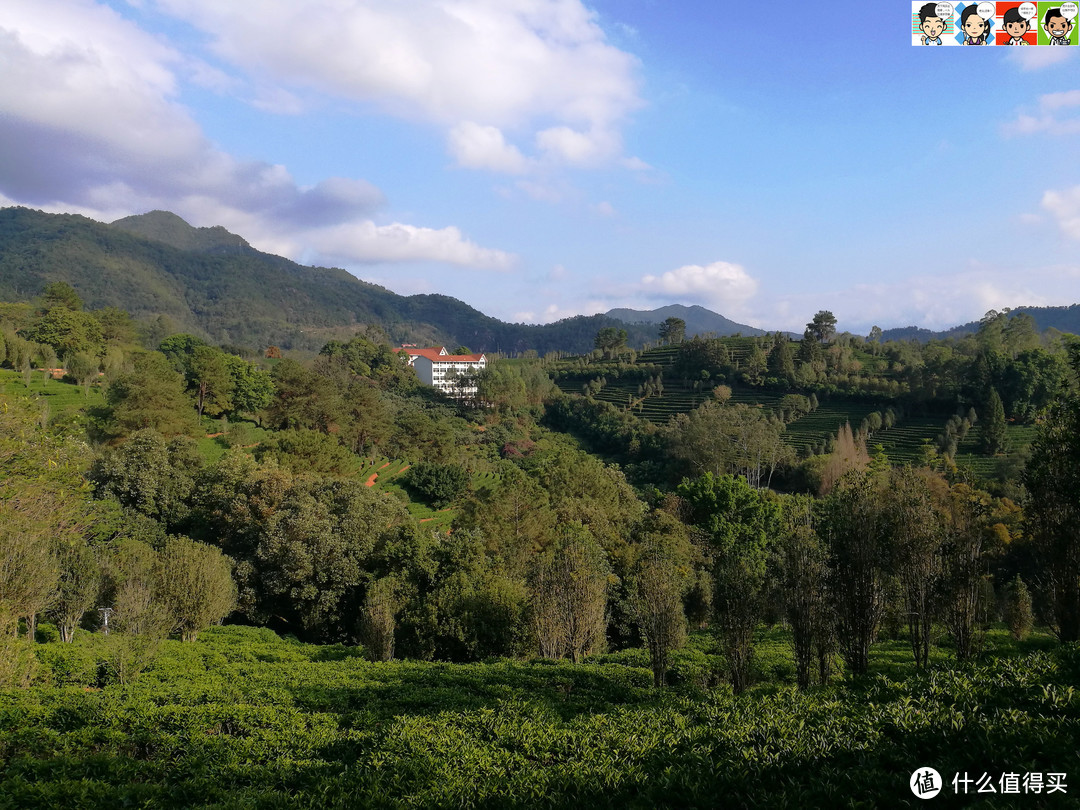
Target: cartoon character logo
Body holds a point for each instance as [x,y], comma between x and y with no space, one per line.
[1057,27]
[931,24]
[975,28]
[1016,27]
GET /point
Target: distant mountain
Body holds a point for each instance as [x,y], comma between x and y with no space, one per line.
[213,283]
[1064,319]
[699,321]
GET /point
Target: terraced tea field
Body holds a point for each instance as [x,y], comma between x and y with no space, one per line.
[830,416]
[903,443]
[61,397]
[1018,439]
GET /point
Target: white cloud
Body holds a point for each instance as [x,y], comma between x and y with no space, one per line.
[604,209]
[1039,58]
[723,286]
[511,64]
[1053,116]
[1056,101]
[542,191]
[933,302]
[1064,206]
[368,242]
[278,100]
[90,123]
[567,145]
[483,147]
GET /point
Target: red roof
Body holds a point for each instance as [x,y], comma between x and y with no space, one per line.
[434,354]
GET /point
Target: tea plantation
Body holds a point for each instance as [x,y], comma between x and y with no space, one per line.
[243,718]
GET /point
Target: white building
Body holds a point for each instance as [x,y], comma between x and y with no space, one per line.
[438,368]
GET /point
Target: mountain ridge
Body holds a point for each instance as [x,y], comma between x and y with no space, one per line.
[214,283]
[699,320]
[223,289]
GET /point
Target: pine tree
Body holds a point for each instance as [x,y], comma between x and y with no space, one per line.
[992,426]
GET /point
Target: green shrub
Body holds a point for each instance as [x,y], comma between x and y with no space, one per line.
[438,484]
[1018,611]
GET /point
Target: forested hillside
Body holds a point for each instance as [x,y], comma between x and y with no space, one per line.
[577,575]
[175,277]
[1063,319]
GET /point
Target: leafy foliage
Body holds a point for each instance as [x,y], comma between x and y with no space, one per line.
[438,484]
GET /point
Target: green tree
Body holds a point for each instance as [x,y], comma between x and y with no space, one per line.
[1052,513]
[992,425]
[729,439]
[369,423]
[823,326]
[438,484]
[210,381]
[474,611]
[61,294]
[673,330]
[661,578]
[29,571]
[1019,617]
[738,522]
[117,326]
[150,396]
[515,517]
[196,585]
[149,474]
[47,361]
[569,588]
[133,577]
[699,355]
[138,613]
[84,368]
[609,340]
[252,389]
[66,331]
[309,451]
[304,399]
[233,500]
[963,567]
[180,348]
[584,490]
[378,620]
[1020,334]
[915,522]
[78,588]
[757,364]
[311,553]
[855,533]
[803,577]
[782,357]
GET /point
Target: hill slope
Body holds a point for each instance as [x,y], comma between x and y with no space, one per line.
[211,282]
[699,321]
[1064,319]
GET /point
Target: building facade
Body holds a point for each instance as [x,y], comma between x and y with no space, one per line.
[436,367]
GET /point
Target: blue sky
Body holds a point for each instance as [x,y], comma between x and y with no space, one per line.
[544,158]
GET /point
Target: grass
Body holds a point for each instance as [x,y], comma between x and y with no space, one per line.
[388,474]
